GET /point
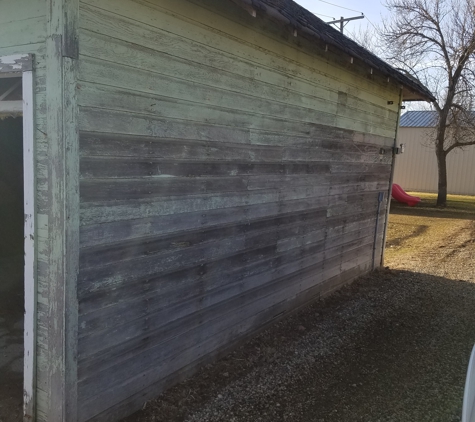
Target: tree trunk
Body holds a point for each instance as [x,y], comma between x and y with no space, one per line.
[442,171]
[442,157]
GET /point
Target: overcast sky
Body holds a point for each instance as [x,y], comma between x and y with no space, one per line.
[373,9]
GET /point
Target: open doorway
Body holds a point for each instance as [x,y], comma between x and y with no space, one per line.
[11,268]
[18,262]
[18,254]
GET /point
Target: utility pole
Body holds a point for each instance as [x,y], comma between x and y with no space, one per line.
[343,21]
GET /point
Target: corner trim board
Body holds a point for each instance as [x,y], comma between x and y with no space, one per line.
[63,211]
[29,371]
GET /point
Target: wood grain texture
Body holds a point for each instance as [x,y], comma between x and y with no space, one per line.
[158,308]
[32,32]
[228,174]
[30,246]
[227,33]
[63,211]
[266,318]
[261,321]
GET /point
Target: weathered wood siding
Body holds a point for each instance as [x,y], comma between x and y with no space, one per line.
[229,173]
[23,30]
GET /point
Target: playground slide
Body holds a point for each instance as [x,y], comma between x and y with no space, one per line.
[401,196]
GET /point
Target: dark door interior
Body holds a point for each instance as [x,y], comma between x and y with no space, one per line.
[11,268]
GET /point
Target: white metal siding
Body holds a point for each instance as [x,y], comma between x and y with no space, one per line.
[416,169]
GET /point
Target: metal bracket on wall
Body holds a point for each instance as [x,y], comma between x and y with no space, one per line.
[400,149]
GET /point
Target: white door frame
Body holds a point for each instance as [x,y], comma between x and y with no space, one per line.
[22,66]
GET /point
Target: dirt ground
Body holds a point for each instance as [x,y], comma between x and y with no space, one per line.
[394,346]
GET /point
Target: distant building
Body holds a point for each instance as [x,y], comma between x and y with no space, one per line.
[416,168]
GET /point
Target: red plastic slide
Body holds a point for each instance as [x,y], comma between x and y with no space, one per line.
[401,196]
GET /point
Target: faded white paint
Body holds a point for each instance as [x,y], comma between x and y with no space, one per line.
[29,384]
[13,63]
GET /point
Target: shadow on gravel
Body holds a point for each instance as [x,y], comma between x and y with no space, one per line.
[394,346]
[398,241]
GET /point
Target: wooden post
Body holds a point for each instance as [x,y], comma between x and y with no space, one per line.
[63,215]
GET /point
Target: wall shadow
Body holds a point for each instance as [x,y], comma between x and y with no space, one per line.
[430,210]
[398,241]
[393,345]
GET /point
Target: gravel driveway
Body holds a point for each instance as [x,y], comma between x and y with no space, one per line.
[394,346]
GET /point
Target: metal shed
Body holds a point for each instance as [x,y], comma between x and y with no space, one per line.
[192,172]
[416,169]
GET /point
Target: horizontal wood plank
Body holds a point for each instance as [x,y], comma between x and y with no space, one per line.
[93,343]
[215,71]
[212,336]
[102,168]
[22,33]
[228,174]
[177,97]
[266,318]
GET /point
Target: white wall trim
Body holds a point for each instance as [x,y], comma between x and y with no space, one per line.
[29,372]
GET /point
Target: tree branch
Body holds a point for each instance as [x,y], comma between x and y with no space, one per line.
[459,145]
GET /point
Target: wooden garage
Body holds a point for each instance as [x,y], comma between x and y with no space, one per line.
[199,169]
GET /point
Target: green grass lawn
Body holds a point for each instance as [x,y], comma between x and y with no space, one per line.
[456,202]
[423,227]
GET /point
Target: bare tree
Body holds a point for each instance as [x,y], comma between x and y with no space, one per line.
[434,40]
[369,38]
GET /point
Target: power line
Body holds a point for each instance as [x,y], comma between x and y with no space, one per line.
[374,26]
[321,14]
[341,7]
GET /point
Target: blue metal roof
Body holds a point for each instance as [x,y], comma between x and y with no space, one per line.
[419,119]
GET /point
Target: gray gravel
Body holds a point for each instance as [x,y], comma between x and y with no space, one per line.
[392,347]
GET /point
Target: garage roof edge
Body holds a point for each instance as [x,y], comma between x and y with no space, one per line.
[289,13]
